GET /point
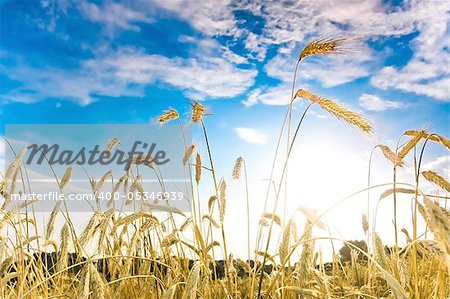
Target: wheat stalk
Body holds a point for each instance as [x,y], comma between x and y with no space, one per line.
[325,46]
[84,282]
[98,287]
[64,236]
[263,222]
[338,111]
[411,144]
[188,153]
[146,160]
[198,111]
[211,220]
[390,155]
[307,251]
[66,177]
[269,216]
[192,282]
[103,226]
[185,225]
[160,208]
[435,178]
[115,141]
[135,216]
[237,169]
[90,229]
[51,221]
[289,232]
[312,217]
[170,240]
[365,223]
[168,115]
[434,137]
[445,142]
[102,181]
[211,202]
[10,177]
[388,192]
[116,189]
[439,223]
[222,199]
[198,168]
[380,254]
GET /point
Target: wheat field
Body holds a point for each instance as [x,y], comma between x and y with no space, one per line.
[154,253]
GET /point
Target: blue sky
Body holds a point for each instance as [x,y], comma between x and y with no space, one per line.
[81,61]
[124,62]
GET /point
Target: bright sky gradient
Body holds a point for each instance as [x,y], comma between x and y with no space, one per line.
[124,62]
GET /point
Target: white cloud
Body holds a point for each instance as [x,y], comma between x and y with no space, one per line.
[114,15]
[251,135]
[427,73]
[330,71]
[318,115]
[276,95]
[441,165]
[252,98]
[337,70]
[254,43]
[209,17]
[436,85]
[207,47]
[375,103]
[292,21]
[127,72]
[81,85]
[287,23]
[211,76]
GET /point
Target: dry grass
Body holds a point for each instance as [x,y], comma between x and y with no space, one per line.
[171,254]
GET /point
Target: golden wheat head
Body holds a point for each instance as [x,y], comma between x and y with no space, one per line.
[237,168]
[412,143]
[115,141]
[198,111]
[338,111]
[325,46]
[198,168]
[167,116]
[433,137]
[390,155]
[435,178]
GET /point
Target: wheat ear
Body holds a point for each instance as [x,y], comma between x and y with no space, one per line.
[167,116]
[338,111]
[435,178]
[390,155]
[325,46]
